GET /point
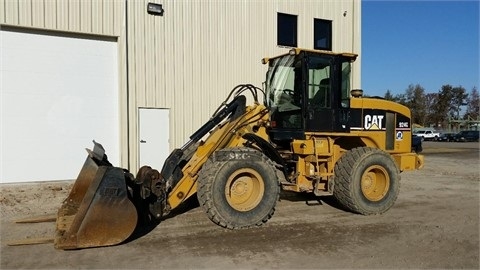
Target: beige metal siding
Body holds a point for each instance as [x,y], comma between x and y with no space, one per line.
[190,58]
[84,16]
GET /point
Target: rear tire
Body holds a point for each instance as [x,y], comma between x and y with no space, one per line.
[367,181]
[238,192]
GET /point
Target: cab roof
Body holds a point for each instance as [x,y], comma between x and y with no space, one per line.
[296,51]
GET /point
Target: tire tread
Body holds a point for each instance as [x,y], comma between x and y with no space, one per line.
[205,196]
[343,191]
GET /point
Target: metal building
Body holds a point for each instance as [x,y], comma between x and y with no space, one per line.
[139,82]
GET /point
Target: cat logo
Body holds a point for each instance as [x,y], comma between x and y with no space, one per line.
[373,122]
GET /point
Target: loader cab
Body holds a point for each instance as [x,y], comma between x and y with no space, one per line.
[308,91]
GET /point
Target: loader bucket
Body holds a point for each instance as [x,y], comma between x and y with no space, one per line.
[98,211]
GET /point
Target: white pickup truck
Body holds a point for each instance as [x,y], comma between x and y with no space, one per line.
[427,134]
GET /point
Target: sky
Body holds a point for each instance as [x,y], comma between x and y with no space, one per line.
[430,43]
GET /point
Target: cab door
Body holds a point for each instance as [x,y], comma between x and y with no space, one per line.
[342,97]
[328,97]
[319,111]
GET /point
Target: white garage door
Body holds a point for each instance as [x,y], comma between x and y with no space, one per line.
[57,95]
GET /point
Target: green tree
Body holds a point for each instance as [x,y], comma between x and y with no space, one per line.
[459,98]
[441,108]
[448,105]
[400,98]
[389,96]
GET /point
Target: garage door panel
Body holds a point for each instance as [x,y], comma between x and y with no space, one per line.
[58,94]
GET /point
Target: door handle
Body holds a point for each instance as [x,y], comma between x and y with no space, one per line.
[143,141]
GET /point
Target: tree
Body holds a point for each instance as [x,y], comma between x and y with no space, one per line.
[473,104]
[442,106]
[389,96]
[459,98]
[430,100]
[415,100]
[448,105]
[399,98]
[437,109]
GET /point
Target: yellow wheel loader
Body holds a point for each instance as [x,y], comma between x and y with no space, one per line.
[312,133]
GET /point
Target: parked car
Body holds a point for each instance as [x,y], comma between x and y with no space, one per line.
[417,144]
[427,134]
[467,136]
[446,137]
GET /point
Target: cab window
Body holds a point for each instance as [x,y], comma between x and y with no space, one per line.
[345,96]
[319,82]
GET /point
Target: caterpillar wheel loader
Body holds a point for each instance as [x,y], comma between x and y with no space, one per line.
[311,133]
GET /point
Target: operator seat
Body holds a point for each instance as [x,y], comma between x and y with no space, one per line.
[322,97]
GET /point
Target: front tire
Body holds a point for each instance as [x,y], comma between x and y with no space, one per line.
[367,181]
[238,188]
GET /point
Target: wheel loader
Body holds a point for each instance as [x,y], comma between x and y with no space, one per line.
[311,133]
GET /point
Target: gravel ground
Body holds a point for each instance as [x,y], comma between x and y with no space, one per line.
[434,224]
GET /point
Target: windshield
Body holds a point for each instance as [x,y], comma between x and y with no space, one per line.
[284,92]
[280,84]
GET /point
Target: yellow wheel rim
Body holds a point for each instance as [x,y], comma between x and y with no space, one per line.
[375,183]
[244,189]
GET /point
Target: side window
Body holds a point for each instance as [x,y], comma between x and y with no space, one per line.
[322,34]
[345,98]
[319,83]
[286,30]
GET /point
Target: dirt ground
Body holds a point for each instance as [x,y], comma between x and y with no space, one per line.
[434,224]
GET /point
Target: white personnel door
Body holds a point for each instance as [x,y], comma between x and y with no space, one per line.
[153,136]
